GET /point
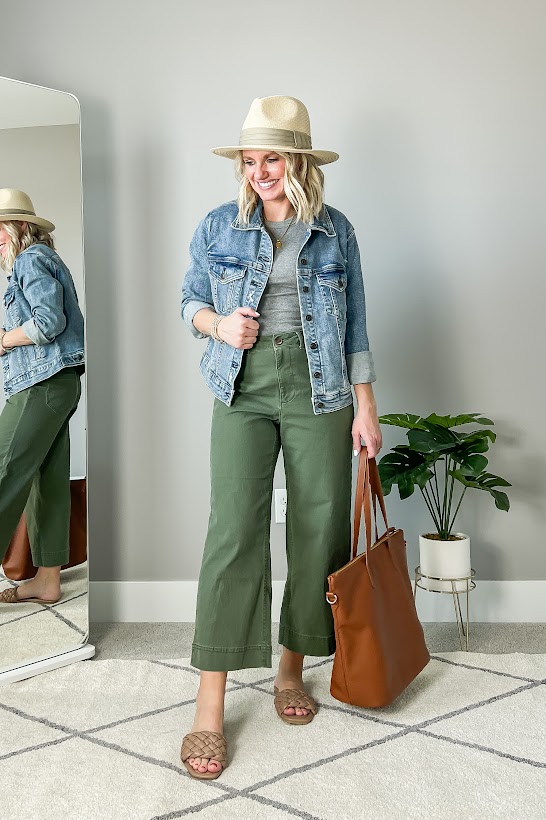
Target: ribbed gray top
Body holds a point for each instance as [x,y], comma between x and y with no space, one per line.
[279,306]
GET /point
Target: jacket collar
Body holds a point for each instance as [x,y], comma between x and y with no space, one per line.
[322,222]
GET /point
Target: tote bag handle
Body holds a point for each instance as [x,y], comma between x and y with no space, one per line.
[368,482]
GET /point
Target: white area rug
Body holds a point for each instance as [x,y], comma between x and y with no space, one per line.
[101,739]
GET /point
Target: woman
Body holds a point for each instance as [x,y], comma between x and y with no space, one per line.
[281,249]
[42,350]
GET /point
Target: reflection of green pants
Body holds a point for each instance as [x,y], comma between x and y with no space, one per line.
[272,408]
[35,466]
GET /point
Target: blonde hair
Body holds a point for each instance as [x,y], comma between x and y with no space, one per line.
[303,186]
[23,238]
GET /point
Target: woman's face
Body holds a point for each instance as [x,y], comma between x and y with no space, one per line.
[265,172]
[5,240]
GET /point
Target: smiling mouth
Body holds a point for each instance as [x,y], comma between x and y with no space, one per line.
[268,183]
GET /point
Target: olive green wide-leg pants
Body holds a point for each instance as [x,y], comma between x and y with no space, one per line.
[35,466]
[272,409]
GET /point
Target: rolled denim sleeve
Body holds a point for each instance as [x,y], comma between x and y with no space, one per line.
[360,365]
[45,296]
[196,291]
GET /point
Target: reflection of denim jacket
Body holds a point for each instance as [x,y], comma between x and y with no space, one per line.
[230,265]
[41,299]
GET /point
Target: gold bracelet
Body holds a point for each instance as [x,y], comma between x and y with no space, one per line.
[214,329]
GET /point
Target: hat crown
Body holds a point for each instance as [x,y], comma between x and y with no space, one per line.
[287,113]
[14,200]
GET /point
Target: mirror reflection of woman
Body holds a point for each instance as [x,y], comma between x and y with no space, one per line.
[42,356]
[282,377]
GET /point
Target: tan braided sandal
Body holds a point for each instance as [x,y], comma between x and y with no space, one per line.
[212,745]
[294,697]
[10,596]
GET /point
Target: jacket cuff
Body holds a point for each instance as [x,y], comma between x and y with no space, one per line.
[31,329]
[360,367]
[190,309]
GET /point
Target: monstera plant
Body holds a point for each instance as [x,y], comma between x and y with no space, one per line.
[437,459]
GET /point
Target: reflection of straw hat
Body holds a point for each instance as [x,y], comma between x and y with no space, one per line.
[17,205]
[277,124]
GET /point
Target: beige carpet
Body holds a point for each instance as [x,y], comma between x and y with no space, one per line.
[101,739]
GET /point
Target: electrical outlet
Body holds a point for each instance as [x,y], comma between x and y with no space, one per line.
[280,506]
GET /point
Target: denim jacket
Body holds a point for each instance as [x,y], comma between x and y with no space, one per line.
[230,265]
[41,299]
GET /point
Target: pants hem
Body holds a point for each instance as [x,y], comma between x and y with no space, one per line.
[306,644]
[229,660]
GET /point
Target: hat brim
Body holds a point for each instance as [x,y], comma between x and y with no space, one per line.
[231,152]
[36,220]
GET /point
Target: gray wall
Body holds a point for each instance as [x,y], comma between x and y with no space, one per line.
[436,109]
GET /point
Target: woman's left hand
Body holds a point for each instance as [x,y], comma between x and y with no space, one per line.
[366,426]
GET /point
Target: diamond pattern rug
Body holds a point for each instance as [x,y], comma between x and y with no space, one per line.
[101,739]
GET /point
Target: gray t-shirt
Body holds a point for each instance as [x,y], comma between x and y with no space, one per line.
[279,306]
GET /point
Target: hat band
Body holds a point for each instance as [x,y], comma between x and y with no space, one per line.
[274,136]
[16,211]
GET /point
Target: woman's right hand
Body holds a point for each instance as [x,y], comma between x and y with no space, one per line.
[239,329]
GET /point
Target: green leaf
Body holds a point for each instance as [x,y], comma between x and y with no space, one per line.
[455,421]
[483,482]
[471,464]
[434,440]
[401,420]
[501,500]
[475,435]
[405,486]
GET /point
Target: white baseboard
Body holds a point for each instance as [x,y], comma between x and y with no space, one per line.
[174,601]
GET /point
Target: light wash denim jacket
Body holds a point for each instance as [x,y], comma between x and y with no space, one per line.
[230,266]
[41,299]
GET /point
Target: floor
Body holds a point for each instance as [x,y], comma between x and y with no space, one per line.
[173,640]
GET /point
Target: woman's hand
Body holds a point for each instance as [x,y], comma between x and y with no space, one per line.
[366,424]
[239,329]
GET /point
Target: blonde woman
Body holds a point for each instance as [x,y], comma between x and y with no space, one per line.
[42,355]
[275,283]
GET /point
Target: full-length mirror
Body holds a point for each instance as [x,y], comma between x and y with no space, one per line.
[43,526]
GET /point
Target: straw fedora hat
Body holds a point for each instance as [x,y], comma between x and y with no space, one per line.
[277,124]
[17,205]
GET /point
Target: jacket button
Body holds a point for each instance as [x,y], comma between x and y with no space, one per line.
[320,405]
[340,283]
[278,340]
[308,317]
[316,374]
[222,276]
[305,289]
[303,261]
[313,345]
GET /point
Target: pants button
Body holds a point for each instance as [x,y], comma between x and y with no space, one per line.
[278,340]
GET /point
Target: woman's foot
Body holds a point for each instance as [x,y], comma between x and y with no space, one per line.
[209,715]
[46,585]
[289,676]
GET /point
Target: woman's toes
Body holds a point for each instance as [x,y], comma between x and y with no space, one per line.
[214,765]
[204,764]
[301,711]
[289,710]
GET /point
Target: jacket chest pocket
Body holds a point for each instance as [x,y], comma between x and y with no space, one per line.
[227,282]
[12,316]
[332,282]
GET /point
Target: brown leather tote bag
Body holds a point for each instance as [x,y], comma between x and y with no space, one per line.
[380,646]
[17,564]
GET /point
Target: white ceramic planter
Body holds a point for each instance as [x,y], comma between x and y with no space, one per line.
[444,559]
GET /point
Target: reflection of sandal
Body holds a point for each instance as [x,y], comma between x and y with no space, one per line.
[212,745]
[9,596]
[294,697]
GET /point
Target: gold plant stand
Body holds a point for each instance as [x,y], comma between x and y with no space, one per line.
[470,584]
